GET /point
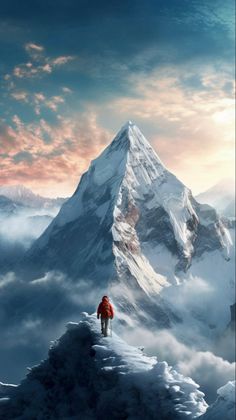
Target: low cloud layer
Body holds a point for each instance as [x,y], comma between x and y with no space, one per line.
[34,313]
[207,369]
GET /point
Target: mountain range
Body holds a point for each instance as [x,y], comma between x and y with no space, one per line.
[25,197]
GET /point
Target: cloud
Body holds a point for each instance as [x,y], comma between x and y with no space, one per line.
[59,61]
[40,64]
[56,154]
[66,89]
[54,102]
[20,96]
[34,313]
[207,369]
[39,100]
[30,46]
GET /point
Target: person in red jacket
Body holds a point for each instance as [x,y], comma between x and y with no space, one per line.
[106,311]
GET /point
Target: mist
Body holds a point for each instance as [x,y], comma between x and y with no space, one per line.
[18,232]
[34,313]
[204,367]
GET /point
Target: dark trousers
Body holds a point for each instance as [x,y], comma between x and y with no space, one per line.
[105,326]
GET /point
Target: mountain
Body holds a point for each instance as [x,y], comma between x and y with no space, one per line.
[8,207]
[127,205]
[221,196]
[89,377]
[24,196]
[224,406]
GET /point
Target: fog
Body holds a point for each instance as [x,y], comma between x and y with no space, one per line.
[26,225]
[18,231]
[204,367]
[34,313]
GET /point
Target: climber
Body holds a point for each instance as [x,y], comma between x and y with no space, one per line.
[105,309]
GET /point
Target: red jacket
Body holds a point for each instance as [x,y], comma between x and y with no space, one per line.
[105,308]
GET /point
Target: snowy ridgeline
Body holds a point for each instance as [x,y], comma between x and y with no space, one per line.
[87,376]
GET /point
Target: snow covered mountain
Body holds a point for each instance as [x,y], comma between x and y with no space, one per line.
[221,196]
[86,376]
[24,196]
[126,206]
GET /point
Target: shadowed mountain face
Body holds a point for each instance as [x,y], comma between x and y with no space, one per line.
[126,200]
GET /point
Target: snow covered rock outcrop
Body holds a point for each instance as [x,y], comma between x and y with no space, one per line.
[224,407]
[89,377]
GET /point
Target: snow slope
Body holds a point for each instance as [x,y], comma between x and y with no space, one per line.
[224,406]
[89,377]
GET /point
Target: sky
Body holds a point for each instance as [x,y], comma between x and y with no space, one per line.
[72,72]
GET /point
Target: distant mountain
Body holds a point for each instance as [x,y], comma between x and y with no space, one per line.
[89,377]
[109,232]
[24,196]
[221,196]
[8,207]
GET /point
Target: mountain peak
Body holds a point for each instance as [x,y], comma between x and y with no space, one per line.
[131,138]
[127,125]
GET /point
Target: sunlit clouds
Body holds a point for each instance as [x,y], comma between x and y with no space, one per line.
[63,104]
[191,129]
[38,65]
[50,159]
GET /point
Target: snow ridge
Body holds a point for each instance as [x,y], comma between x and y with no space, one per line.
[86,376]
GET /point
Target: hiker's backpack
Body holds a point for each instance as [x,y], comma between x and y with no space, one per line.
[106,310]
